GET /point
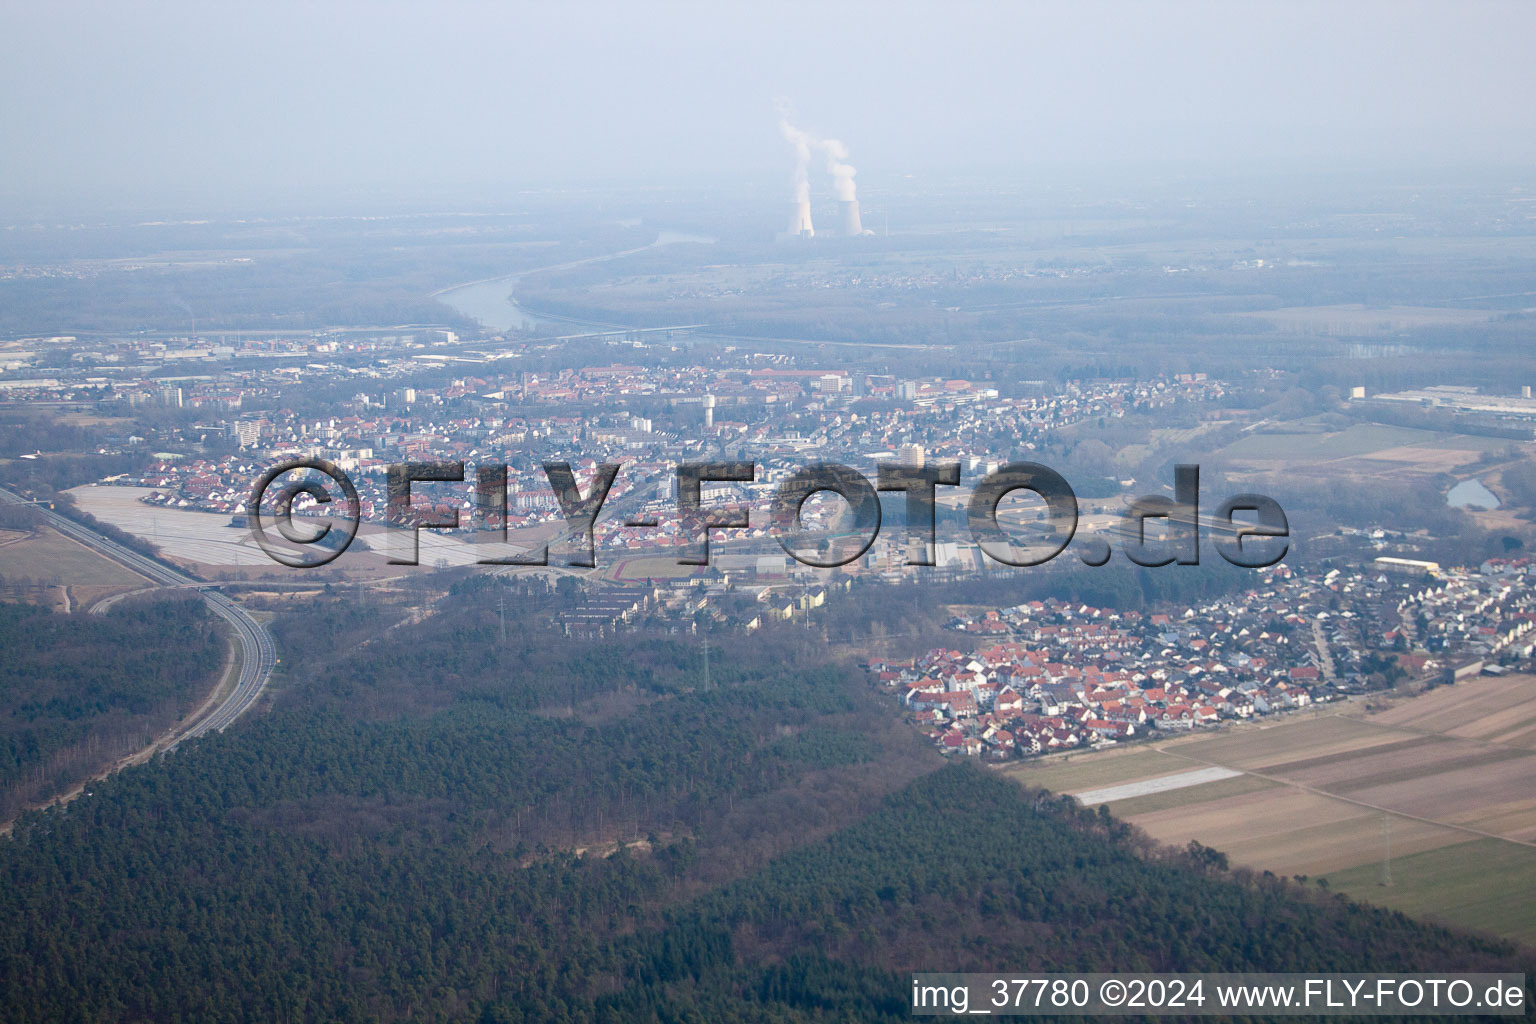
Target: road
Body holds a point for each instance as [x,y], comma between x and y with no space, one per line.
[1324,655]
[258,654]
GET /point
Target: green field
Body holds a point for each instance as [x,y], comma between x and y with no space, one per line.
[1077,772]
[641,567]
[1485,884]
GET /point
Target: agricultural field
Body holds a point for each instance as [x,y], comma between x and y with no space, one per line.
[1356,320]
[1161,438]
[1424,884]
[64,574]
[1438,785]
[1073,773]
[51,557]
[207,544]
[1305,442]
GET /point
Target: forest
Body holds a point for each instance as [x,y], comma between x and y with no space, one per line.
[294,273]
[78,689]
[436,823]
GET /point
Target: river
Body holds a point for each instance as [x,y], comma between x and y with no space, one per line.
[491,303]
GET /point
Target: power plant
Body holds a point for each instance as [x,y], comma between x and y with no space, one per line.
[838,169]
[800,219]
[848,217]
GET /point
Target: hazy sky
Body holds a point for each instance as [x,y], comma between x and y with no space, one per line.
[156,98]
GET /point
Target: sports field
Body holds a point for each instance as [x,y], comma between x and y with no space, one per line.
[646,567]
[1441,786]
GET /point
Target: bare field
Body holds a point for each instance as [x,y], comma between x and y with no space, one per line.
[49,557]
[1457,795]
[206,542]
[1431,460]
[1259,747]
[1357,318]
[1453,769]
[1513,818]
[1291,831]
[1240,785]
[1295,442]
[88,419]
[1411,762]
[1494,710]
[1363,450]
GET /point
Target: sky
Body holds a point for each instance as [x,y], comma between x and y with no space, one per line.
[175,97]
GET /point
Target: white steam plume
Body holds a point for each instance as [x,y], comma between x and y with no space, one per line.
[834,152]
[802,143]
[842,172]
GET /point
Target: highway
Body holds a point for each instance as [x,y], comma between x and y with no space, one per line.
[258,654]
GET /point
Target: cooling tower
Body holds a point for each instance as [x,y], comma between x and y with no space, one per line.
[800,219]
[848,215]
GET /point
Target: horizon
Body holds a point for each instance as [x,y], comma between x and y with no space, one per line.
[336,100]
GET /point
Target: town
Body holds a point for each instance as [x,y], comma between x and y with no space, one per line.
[1047,676]
[218,431]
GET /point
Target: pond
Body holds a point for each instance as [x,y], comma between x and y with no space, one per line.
[1471,492]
